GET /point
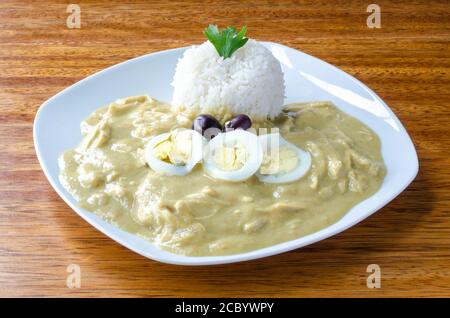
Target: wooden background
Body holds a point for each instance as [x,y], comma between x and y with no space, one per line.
[407,62]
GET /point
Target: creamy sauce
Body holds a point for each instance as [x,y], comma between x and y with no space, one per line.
[198,215]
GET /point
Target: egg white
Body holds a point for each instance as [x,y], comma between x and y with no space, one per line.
[302,168]
[252,146]
[198,142]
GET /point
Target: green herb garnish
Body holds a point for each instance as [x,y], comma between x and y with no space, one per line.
[226,41]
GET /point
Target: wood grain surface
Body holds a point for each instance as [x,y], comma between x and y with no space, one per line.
[407,62]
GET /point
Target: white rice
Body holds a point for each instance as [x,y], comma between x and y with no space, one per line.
[249,82]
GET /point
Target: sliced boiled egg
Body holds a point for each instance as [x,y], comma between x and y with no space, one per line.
[282,162]
[233,156]
[176,152]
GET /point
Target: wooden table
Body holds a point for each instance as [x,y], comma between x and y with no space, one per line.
[406,61]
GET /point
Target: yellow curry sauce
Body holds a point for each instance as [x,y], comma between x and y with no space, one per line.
[198,215]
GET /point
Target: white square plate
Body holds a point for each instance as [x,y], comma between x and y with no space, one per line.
[57,128]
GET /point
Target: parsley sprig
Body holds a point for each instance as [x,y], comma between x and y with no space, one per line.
[226,41]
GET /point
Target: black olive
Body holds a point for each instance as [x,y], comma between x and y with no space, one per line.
[239,122]
[207,125]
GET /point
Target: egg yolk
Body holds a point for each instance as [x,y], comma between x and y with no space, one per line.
[230,158]
[278,162]
[175,149]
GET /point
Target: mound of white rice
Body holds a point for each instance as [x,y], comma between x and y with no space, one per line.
[249,82]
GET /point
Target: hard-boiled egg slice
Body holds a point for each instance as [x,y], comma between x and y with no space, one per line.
[233,156]
[283,162]
[176,152]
